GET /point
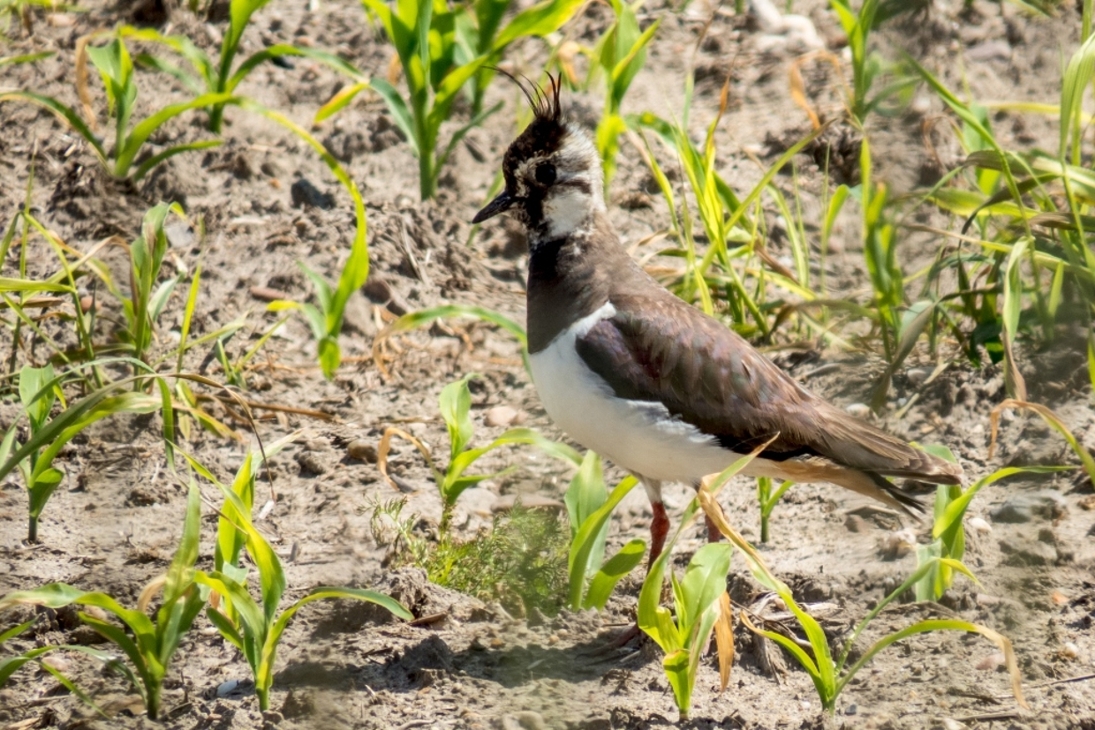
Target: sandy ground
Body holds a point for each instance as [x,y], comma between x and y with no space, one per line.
[115,521]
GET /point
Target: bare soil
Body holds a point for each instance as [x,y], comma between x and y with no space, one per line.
[113,524]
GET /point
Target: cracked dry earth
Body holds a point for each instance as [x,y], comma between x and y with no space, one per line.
[266,202]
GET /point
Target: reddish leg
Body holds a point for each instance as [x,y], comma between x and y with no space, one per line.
[659,528]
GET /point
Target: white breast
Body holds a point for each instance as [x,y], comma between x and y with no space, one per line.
[639,436]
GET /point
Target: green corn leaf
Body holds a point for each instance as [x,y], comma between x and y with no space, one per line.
[455,404]
[1077,77]
[341,100]
[400,114]
[541,19]
[65,113]
[586,493]
[148,165]
[677,666]
[281,50]
[612,572]
[146,127]
[589,538]
[29,285]
[704,581]
[271,574]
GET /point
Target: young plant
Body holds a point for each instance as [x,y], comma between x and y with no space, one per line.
[326,319]
[589,506]
[620,54]
[455,404]
[255,627]
[39,390]
[147,296]
[115,68]
[830,676]
[701,601]
[222,76]
[767,500]
[423,34]
[480,32]
[867,65]
[148,643]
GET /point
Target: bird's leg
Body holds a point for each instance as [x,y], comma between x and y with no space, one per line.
[659,528]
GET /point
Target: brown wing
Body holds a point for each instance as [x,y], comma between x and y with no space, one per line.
[662,350]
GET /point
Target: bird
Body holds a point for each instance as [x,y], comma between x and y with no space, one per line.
[644,379]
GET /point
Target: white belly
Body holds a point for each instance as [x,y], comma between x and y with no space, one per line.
[639,436]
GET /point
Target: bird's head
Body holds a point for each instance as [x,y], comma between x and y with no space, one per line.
[554,181]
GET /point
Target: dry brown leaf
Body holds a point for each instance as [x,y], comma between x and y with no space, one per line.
[81,82]
[386,445]
[724,639]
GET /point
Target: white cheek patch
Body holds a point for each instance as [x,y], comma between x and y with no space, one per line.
[566,210]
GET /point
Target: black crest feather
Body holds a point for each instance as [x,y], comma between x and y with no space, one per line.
[543,102]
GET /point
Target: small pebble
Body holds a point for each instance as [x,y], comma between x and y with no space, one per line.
[500,416]
[1069,651]
[917,376]
[859,410]
[979,525]
[992,661]
[855,523]
[362,450]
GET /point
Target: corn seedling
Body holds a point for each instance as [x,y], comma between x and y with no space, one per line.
[867,65]
[423,33]
[148,644]
[39,389]
[115,67]
[255,627]
[620,55]
[830,676]
[589,506]
[326,319]
[455,405]
[948,532]
[480,32]
[700,599]
[147,295]
[222,75]
[767,499]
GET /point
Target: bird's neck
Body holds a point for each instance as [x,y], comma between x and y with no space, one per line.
[571,276]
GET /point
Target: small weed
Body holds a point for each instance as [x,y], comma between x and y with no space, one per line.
[520,561]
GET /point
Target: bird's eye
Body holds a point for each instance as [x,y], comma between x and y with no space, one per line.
[545,174]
